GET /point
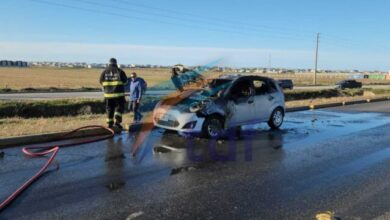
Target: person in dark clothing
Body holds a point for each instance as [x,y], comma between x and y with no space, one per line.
[176,79]
[113,79]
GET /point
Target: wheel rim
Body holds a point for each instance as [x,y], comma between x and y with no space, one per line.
[278,118]
[214,128]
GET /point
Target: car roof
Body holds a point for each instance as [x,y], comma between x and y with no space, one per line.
[235,77]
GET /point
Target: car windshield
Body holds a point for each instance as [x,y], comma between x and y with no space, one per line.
[215,87]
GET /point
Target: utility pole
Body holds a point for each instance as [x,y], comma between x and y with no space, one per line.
[316,60]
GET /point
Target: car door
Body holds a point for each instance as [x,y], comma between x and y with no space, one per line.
[264,99]
[241,104]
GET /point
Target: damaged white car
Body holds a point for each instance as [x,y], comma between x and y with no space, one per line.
[226,102]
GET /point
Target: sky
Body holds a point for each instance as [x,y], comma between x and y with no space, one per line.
[240,33]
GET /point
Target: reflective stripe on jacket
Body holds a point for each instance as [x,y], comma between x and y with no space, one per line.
[113,80]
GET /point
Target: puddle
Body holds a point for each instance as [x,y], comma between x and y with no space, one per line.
[294,122]
[339,126]
[324,125]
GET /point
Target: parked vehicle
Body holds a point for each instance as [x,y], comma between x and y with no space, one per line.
[348,84]
[229,101]
[285,83]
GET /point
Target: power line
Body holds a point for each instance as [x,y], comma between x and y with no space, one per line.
[143,19]
[216,25]
[216,19]
[181,24]
[196,20]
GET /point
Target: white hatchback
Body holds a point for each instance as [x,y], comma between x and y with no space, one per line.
[226,102]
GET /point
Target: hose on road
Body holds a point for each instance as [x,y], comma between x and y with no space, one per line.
[45,150]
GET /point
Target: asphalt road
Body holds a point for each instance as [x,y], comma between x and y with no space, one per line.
[92,95]
[336,159]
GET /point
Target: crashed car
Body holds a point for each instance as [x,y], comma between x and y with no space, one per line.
[229,101]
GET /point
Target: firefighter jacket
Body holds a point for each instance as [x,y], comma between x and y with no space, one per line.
[113,80]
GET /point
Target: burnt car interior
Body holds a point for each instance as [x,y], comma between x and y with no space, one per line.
[242,90]
[217,87]
[264,87]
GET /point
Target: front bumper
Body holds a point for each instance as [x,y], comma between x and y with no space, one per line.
[173,119]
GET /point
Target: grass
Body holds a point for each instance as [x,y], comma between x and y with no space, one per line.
[66,78]
[62,107]
[16,126]
[50,108]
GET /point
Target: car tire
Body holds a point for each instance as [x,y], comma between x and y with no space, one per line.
[213,127]
[276,119]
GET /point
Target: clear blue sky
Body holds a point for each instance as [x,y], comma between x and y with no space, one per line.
[354,33]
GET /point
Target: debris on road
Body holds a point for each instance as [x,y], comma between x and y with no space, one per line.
[2,154]
[178,170]
[328,215]
[166,149]
[134,215]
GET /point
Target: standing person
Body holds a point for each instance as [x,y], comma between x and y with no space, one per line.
[113,79]
[144,84]
[136,90]
[176,78]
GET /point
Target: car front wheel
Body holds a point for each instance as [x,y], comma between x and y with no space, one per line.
[212,127]
[276,119]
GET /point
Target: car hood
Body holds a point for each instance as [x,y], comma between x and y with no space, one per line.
[183,101]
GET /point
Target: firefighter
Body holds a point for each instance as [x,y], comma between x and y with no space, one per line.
[113,80]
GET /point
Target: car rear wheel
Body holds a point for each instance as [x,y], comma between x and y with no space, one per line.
[213,127]
[276,119]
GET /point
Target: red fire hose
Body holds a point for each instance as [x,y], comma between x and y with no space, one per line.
[45,150]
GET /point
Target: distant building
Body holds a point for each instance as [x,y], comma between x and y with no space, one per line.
[9,63]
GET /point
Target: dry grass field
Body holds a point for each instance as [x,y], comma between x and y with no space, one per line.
[67,78]
[15,126]
[19,78]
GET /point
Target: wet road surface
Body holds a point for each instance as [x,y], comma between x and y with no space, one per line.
[335,159]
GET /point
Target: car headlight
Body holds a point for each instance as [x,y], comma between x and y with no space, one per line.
[194,107]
